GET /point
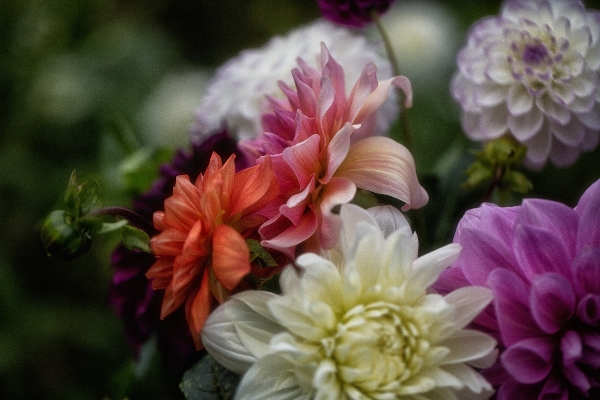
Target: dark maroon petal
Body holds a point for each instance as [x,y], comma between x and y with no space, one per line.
[554,388]
[354,13]
[552,216]
[588,209]
[530,360]
[511,302]
[539,251]
[552,302]
[588,309]
[591,356]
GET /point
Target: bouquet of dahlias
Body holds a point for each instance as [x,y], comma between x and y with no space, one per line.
[277,259]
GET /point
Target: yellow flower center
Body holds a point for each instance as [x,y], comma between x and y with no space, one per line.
[377,347]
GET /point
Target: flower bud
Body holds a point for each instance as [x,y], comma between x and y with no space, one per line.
[61,240]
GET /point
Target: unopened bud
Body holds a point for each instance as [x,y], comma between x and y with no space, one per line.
[60,239]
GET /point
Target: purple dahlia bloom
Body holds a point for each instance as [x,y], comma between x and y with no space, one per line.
[542,260]
[532,72]
[131,293]
[355,13]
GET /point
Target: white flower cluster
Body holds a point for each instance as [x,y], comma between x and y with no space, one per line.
[236,96]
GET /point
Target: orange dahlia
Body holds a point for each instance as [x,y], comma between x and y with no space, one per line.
[201,250]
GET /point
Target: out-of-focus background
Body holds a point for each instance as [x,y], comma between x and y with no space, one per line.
[101,86]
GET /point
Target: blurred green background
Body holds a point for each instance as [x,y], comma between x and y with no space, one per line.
[98,85]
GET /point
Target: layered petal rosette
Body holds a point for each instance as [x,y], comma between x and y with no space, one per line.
[236,95]
[359,325]
[532,72]
[201,251]
[542,260]
[322,146]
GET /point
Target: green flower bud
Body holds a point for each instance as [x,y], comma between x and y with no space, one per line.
[60,239]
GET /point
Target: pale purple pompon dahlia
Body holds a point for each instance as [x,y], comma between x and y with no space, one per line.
[533,72]
[354,13]
[542,261]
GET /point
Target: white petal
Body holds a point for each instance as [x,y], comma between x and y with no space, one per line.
[591,119]
[474,381]
[467,345]
[553,110]
[590,141]
[389,219]
[563,155]
[273,377]
[470,123]
[538,147]
[519,101]
[238,332]
[493,121]
[571,134]
[469,302]
[489,94]
[523,127]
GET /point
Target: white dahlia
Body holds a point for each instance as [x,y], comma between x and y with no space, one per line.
[533,72]
[236,95]
[362,324]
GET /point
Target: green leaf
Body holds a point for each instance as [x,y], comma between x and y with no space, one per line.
[258,253]
[270,284]
[134,238]
[89,224]
[142,168]
[208,380]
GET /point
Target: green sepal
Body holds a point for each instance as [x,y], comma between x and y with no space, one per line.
[89,224]
[72,202]
[135,239]
[90,196]
[61,239]
[208,380]
[260,255]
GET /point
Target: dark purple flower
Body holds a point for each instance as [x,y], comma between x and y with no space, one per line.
[542,260]
[131,293]
[354,13]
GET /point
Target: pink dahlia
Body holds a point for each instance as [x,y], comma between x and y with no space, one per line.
[542,260]
[355,13]
[323,146]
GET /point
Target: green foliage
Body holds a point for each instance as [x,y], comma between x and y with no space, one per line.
[259,255]
[208,380]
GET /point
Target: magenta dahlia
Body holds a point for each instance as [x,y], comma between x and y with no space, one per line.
[542,261]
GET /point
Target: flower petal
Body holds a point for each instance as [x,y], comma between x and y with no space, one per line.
[530,360]
[238,332]
[552,302]
[231,256]
[384,166]
[253,188]
[198,307]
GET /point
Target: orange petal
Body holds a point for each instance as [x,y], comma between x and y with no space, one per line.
[253,188]
[168,243]
[231,256]
[182,209]
[161,272]
[197,308]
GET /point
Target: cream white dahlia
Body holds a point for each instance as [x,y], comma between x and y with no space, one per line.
[361,324]
[236,96]
[533,72]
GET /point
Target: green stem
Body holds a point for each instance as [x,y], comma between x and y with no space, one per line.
[126,213]
[404,124]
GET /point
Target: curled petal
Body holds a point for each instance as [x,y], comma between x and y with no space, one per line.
[384,166]
[254,188]
[198,307]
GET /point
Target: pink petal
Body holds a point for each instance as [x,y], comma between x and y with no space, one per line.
[378,96]
[511,302]
[279,233]
[530,360]
[552,302]
[337,150]
[384,166]
[303,159]
[588,209]
[337,191]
